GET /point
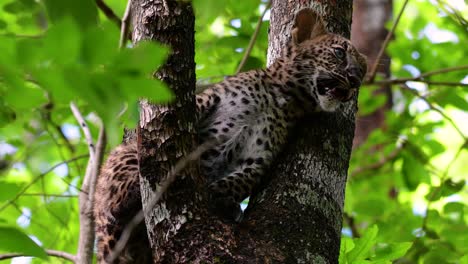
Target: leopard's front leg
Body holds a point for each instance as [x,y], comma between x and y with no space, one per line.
[227,192]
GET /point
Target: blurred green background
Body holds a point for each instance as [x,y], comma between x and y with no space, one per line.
[406,198]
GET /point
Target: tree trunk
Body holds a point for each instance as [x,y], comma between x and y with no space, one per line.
[179,228]
[297,218]
[368,35]
[302,207]
[167,133]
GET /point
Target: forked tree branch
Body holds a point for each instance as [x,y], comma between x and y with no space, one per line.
[86,200]
[373,71]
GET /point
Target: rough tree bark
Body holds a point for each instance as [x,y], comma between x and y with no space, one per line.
[368,35]
[297,218]
[179,228]
[304,202]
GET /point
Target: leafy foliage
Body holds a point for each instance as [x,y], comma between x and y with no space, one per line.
[411,207]
[423,147]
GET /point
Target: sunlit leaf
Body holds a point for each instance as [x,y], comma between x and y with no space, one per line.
[14,241]
[363,245]
[346,246]
[8,190]
[390,252]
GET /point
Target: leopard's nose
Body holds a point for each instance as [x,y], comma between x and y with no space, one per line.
[354,80]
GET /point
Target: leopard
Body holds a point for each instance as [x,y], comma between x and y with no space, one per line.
[249,116]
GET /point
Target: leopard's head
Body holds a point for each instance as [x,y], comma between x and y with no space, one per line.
[334,67]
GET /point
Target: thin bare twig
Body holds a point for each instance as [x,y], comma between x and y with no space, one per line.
[373,71]
[125,25]
[444,70]
[50,252]
[164,185]
[420,78]
[39,177]
[86,200]
[380,163]
[51,195]
[85,128]
[108,12]
[402,81]
[445,83]
[253,39]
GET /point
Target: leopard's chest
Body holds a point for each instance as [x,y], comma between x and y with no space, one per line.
[248,129]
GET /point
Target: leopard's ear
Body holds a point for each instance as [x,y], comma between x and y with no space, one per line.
[307,25]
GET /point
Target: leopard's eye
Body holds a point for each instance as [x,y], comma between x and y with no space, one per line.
[339,53]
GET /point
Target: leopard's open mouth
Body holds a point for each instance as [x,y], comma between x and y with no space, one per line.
[335,88]
[341,94]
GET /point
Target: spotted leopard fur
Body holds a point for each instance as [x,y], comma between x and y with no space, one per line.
[249,115]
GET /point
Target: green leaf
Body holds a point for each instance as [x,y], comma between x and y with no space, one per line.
[30,52]
[454,207]
[413,172]
[3,24]
[84,12]
[464,259]
[440,253]
[100,45]
[17,99]
[62,42]
[7,114]
[371,206]
[13,240]
[18,6]
[53,80]
[453,98]
[8,190]
[363,245]
[140,60]
[13,7]
[369,100]
[152,89]
[448,188]
[389,252]
[346,246]
[208,10]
